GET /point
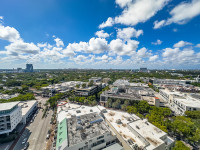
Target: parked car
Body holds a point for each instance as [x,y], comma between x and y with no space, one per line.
[24,141]
[48,135]
[26,146]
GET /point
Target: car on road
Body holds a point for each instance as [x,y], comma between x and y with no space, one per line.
[24,141]
[48,135]
[26,146]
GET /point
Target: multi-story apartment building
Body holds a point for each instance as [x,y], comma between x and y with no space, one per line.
[10,117]
[180,102]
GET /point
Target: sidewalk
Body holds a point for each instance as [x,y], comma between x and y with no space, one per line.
[22,128]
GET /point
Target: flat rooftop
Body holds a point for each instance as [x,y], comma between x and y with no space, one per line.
[85,127]
[197,96]
[189,102]
[26,106]
[149,132]
[67,110]
[8,106]
[63,108]
[119,121]
[124,123]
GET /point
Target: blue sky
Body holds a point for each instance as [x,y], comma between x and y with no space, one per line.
[123,34]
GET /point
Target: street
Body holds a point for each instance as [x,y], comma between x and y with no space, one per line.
[36,132]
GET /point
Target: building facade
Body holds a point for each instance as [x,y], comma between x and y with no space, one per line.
[10,117]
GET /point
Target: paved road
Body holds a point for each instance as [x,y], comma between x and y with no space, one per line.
[36,132]
[5,146]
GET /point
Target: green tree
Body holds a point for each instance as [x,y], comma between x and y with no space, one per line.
[91,83]
[83,85]
[180,146]
[183,126]
[143,107]
[77,86]
[193,114]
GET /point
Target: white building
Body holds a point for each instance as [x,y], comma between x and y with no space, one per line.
[28,108]
[6,96]
[180,102]
[95,79]
[82,128]
[10,117]
[170,81]
[135,133]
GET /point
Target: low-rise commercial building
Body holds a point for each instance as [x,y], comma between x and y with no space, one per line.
[122,89]
[88,90]
[180,102]
[170,81]
[28,108]
[82,128]
[134,133]
[95,79]
[6,96]
[95,128]
[10,117]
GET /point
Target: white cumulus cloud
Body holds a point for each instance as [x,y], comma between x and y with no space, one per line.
[182,44]
[102,34]
[135,12]
[123,3]
[120,47]
[153,58]
[59,42]
[128,33]
[9,33]
[20,47]
[95,45]
[108,23]
[158,42]
[181,14]
[159,24]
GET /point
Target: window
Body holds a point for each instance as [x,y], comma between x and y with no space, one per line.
[100,137]
[7,118]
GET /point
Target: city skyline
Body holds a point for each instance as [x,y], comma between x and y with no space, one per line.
[101,34]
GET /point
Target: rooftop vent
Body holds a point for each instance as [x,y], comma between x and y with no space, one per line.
[118,121]
[137,127]
[78,111]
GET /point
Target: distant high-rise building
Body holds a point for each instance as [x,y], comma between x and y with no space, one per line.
[143,70]
[19,70]
[29,67]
